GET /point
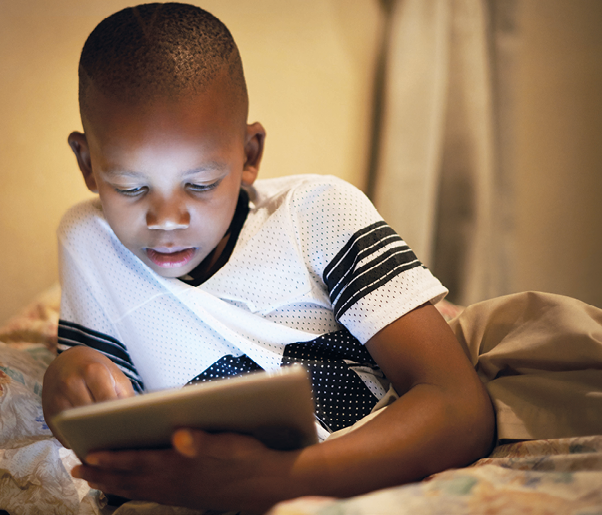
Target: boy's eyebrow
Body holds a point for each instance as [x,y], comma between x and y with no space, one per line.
[209,167]
[120,172]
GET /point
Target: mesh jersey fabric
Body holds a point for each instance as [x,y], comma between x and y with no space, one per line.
[314,274]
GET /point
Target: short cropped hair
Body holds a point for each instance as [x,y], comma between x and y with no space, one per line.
[158,50]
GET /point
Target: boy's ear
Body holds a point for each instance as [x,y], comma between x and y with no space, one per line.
[253,152]
[79,145]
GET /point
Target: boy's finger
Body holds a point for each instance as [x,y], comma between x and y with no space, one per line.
[77,394]
[123,387]
[185,443]
[126,461]
[194,443]
[101,383]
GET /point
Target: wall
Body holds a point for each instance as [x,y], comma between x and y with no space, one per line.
[308,65]
[558,180]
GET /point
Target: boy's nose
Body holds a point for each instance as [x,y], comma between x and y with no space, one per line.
[168,216]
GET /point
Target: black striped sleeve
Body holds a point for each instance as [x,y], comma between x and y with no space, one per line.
[382,254]
[71,334]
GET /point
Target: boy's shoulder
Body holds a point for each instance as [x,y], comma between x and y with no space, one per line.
[315,208]
[85,217]
[267,192]
[292,181]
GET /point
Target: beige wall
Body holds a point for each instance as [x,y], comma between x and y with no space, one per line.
[308,66]
[559,153]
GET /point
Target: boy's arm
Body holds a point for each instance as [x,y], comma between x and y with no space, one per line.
[443,419]
[81,376]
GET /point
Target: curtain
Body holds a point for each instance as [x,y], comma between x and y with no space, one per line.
[442,146]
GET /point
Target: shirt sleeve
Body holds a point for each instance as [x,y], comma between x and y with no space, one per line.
[82,320]
[372,276]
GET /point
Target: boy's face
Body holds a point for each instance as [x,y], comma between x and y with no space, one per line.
[169,173]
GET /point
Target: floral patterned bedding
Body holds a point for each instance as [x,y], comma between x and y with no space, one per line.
[561,476]
[533,477]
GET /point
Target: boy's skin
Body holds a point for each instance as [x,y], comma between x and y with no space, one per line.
[171,150]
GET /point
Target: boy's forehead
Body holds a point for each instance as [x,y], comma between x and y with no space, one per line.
[181,134]
[216,105]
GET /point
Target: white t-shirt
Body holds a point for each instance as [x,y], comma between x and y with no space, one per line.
[314,274]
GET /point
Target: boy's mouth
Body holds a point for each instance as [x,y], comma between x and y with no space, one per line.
[170,257]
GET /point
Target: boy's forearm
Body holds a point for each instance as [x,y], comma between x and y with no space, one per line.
[425,431]
[444,417]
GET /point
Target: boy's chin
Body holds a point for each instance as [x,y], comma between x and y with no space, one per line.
[172,273]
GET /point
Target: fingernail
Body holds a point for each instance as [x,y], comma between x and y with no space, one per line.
[76,472]
[184,443]
[92,460]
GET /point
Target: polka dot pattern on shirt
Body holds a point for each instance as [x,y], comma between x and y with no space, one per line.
[340,395]
[227,366]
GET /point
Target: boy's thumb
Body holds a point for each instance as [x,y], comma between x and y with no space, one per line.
[184,443]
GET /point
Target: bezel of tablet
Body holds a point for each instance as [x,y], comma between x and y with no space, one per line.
[275,407]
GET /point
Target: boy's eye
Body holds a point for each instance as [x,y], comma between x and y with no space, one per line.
[201,187]
[131,192]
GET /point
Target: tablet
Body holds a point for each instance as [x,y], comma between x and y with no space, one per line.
[275,407]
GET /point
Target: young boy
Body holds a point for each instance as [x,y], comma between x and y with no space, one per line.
[186,269]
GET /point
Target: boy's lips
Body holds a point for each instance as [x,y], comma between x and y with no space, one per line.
[170,257]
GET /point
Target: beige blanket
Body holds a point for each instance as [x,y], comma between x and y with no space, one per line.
[540,356]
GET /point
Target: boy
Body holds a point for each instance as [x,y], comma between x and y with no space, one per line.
[185,269]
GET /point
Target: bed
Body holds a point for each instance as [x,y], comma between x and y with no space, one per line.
[561,473]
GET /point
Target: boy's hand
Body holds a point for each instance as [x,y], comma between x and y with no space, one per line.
[81,376]
[210,471]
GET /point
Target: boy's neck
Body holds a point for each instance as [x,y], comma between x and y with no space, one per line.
[220,255]
[208,266]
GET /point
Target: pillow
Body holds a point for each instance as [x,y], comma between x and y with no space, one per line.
[37,322]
